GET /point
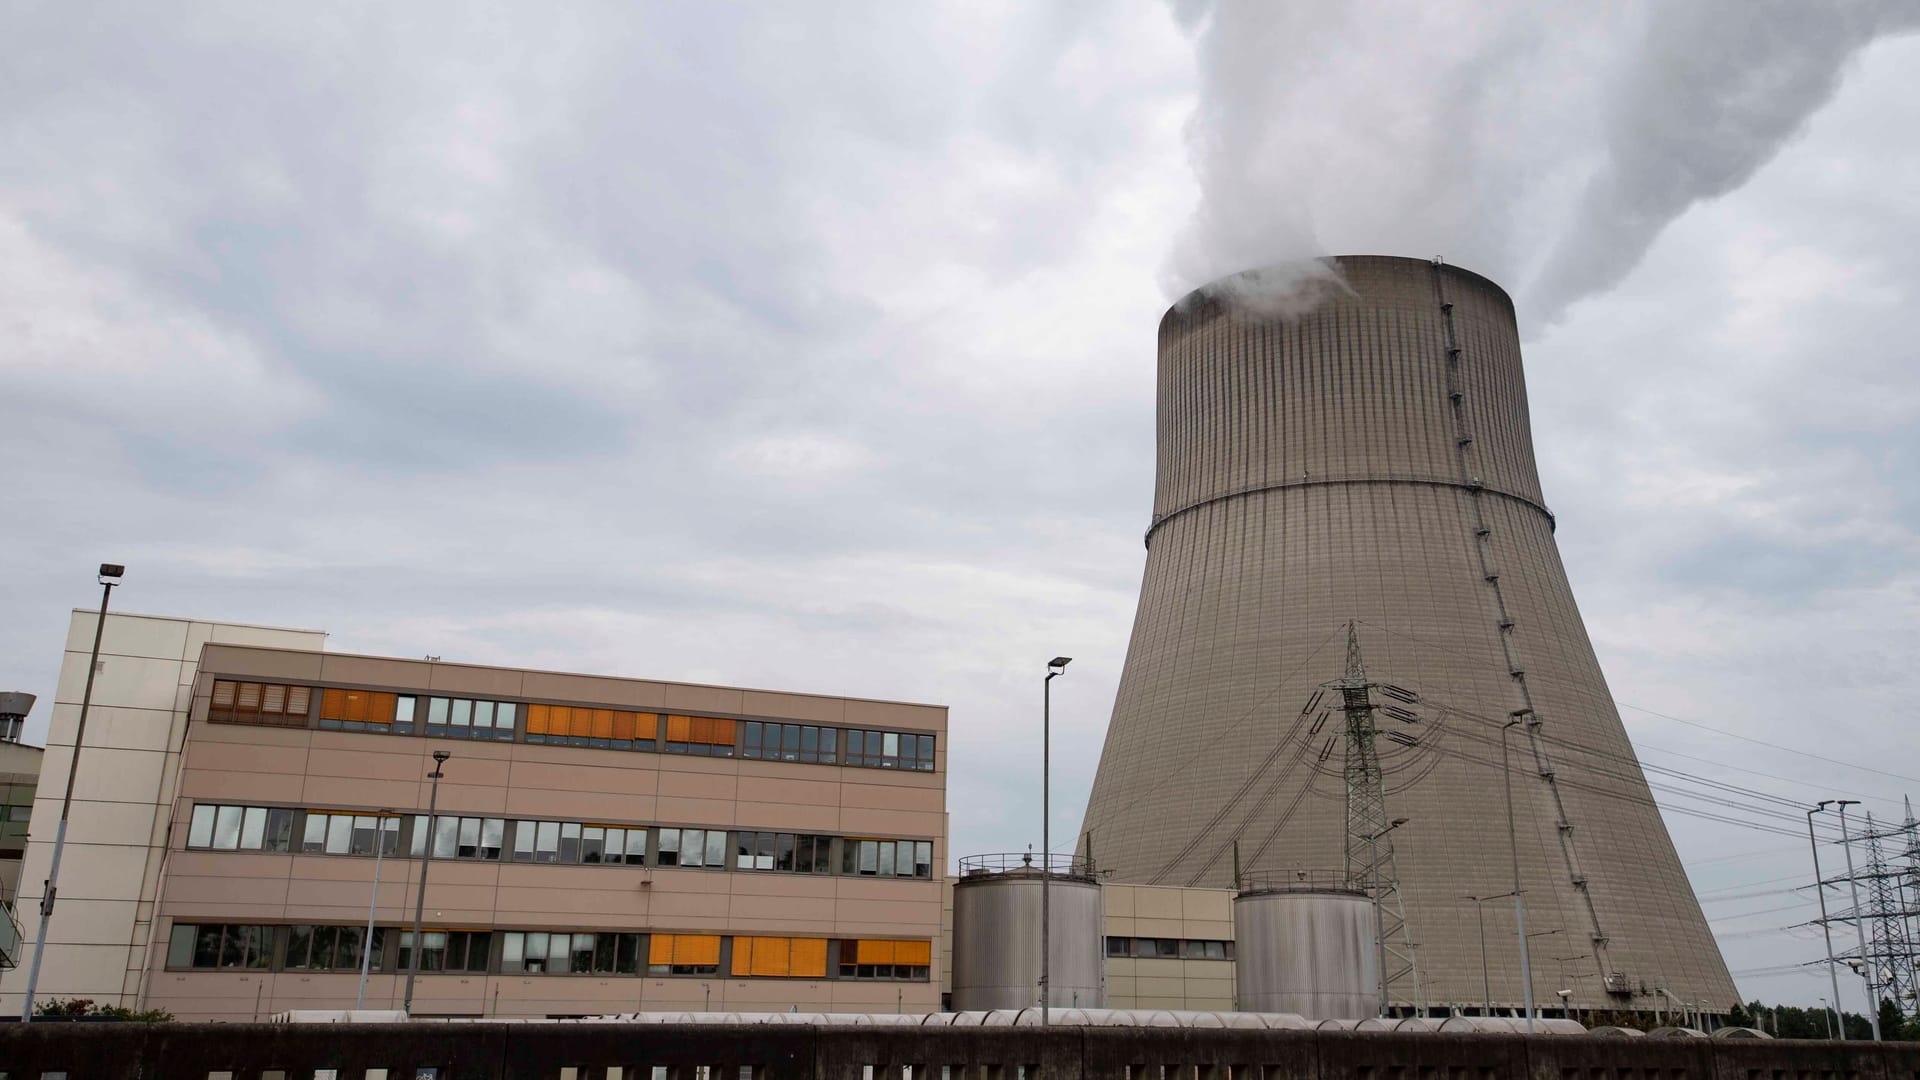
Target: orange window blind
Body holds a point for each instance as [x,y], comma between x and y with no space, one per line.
[916,953]
[684,949]
[809,958]
[709,730]
[779,957]
[359,706]
[579,721]
[272,699]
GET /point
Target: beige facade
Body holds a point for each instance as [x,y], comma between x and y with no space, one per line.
[290,792]
[122,800]
[1370,463]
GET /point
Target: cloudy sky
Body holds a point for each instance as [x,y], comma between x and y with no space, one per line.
[812,346]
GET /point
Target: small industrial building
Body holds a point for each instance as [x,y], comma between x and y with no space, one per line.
[602,844]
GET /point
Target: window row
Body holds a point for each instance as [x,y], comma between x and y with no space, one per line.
[1169,948]
[213,946]
[283,705]
[321,832]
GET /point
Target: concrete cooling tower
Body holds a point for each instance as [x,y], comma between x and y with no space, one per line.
[1363,462]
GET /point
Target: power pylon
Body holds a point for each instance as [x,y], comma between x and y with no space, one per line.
[1370,865]
[1890,949]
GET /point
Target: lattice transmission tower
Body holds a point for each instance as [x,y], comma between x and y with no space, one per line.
[1890,908]
[1370,865]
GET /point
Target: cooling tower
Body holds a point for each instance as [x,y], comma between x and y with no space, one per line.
[1369,463]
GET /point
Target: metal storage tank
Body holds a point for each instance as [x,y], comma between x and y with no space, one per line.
[996,934]
[1305,945]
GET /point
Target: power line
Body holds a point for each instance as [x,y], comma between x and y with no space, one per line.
[1763,742]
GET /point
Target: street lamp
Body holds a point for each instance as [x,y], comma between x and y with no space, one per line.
[1826,1017]
[373,904]
[420,903]
[1055,668]
[1866,963]
[1519,900]
[1820,890]
[1480,915]
[110,575]
[1379,923]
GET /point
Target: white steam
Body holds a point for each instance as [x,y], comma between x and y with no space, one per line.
[1543,145]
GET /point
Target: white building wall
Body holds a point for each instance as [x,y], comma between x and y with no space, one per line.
[122,798]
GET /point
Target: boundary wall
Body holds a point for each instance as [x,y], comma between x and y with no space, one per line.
[591,1051]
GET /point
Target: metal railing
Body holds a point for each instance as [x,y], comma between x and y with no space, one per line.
[1317,881]
[1026,862]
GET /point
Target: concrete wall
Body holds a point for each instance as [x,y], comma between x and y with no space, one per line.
[799,1052]
[122,797]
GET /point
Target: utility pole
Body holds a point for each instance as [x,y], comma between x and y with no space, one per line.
[1369,851]
[1859,928]
[110,575]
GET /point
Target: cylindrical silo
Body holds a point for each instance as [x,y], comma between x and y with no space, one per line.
[996,936]
[1305,950]
[1359,454]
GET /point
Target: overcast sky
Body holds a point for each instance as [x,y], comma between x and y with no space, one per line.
[812,346]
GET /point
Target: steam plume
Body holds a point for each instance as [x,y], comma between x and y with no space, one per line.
[1544,145]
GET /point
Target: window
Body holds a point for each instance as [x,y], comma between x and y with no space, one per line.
[465,718]
[703,736]
[327,833]
[887,858]
[788,742]
[460,837]
[694,847]
[332,948]
[539,951]
[578,725]
[240,828]
[447,950]
[357,710]
[274,704]
[788,853]
[1119,946]
[1203,950]
[890,750]
[780,957]
[578,842]
[683,954]
[883,959]
[220,946]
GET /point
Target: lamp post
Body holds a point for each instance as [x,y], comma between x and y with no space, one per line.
[1826,1017]
[1820,890]
[1480,915]
[420,903]
[110,575]
[1055,668]
[1379,923]
[373,905]
[1519,900]
[1866,962]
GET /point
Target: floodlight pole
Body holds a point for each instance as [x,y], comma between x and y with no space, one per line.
[110,575]
[1519,900]
[420,903]
[373,904]
[1866,962]
[1055,667]
[1820,890]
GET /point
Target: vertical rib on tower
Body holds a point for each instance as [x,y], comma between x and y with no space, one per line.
[1372,461]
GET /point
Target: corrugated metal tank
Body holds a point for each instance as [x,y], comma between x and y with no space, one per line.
[1305,951]
[996,940]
